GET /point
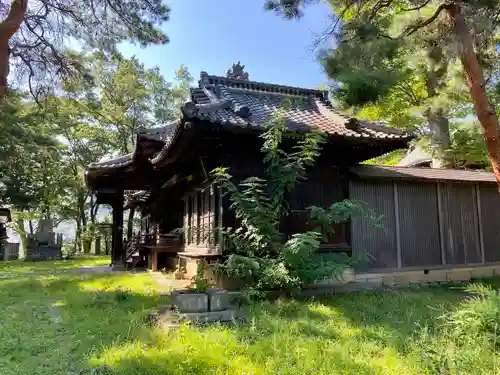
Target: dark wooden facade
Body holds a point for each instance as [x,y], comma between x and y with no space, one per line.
[221,126]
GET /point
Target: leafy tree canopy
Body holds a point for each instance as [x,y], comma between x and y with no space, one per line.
[40,34]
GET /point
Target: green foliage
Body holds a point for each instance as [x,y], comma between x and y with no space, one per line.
[478,316]
[68,250]
[200,281]
[58,25]
[257,252]
[398,61]
[133,97]
[46,146]
[389,159]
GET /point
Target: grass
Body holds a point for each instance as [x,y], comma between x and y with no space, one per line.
[20,266]
[94,324]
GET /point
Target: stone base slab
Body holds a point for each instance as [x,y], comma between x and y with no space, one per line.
[209,317]
[352,281]
[170,317]
[190,302]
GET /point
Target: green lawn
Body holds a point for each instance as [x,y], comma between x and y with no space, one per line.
[20,266]
[93,324]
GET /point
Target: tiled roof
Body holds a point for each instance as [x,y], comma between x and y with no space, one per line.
[140,196]
[161,134]
[248,103]
[415,156]
[240,102]
[434,174]
[120,161]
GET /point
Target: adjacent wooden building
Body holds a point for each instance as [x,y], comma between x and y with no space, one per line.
[432,218]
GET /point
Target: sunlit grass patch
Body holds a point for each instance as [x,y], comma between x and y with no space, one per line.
[95,324]
[15,267]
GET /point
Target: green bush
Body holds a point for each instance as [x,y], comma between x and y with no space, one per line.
[68,250]
[478,316]
[257,252]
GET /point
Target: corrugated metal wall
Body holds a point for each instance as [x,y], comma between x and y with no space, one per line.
[460,226]
[418,224]
[427,224]
[380,244]
[490,223]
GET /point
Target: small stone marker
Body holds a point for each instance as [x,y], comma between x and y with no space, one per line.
[190,302]
[213,306]
[218,299]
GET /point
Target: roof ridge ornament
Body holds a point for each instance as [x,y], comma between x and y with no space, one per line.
[237,72]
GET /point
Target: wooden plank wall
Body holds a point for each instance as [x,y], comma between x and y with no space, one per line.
[380,244]
[419,224]
[427,224]
[489,207]
[460,224]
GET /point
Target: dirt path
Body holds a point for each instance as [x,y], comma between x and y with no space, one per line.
[166,283]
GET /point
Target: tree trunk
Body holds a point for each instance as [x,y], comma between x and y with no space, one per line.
[81,221]
[94,207]
[439,125]
[440,137]
[130,223]
[78,232]
[22,234]
[81,208]
[8,28]
[475,80]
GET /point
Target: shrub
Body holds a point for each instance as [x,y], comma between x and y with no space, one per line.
[477,316]
[257,251]
[68,250]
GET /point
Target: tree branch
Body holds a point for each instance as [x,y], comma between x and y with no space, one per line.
[331,30]
[417,7]
[11,24]
[421,24]
[379,6]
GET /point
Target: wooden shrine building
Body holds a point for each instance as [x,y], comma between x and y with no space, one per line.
[435,218]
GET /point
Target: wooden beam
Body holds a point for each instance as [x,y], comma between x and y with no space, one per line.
[185,220]
[396,217]
[480,222]
[441,221]
[219,224]
[154,260]
[212,230]
[196,220]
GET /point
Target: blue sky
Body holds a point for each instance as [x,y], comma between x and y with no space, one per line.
[211,35]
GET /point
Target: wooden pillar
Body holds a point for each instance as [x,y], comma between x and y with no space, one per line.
[117,249]
[130,223]
[398,229]
[154,260]
[480,222]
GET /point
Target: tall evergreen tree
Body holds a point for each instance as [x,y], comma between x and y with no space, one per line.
[465,30]
[35,34]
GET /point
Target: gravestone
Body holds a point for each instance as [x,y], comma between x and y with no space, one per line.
[97,246]
[45,230]
[11,251]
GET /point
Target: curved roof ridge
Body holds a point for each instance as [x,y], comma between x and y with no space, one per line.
[207,79]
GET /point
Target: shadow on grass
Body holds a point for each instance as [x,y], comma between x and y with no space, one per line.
[53,323]
[171,363]
[96,324]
